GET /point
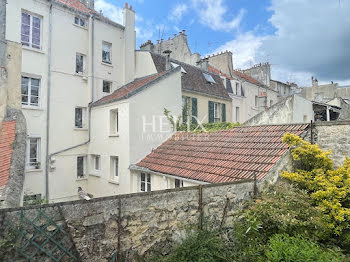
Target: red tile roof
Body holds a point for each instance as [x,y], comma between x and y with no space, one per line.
[247,77]
[7,137]
[76,4]
[223,156]
[218,72]
[128,89]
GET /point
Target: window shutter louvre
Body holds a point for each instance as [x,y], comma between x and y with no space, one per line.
[223,107]
[194,110]
[211,111]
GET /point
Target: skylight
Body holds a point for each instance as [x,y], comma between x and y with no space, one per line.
[176,65]
[209,78]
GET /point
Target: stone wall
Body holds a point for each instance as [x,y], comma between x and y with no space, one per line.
[334,136]
[134,224]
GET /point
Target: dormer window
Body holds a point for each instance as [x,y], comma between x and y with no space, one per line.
[209,78]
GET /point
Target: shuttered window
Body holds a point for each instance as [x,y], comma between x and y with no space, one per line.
[223,115]
[194,110]
[211,111]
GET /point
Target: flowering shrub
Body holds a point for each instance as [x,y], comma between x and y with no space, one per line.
[328,187]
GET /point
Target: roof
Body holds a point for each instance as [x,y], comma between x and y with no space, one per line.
[218,72]
[247,78]
[7,137]
[194,80]
[129,89]
[223,156]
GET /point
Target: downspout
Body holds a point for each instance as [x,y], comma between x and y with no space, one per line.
[92,96]
[48,107]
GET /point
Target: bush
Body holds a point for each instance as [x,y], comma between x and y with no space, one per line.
[209,127]
[328,187]
[283,248]
[202,246]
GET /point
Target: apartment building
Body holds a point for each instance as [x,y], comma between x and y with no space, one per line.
[72,56]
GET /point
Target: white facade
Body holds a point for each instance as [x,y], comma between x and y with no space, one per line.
[53,63]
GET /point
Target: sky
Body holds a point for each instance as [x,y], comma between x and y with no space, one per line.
[299,38]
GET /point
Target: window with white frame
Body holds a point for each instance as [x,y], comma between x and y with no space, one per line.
[31,30]
[30,90]
[106,52]
[179,183]
[80,115]
[145,182]
[106,86]
[33,153]
[216,112]
[80,64]
[81,166]
[97,162]
[80,21]
[256,103]
[237,88]
[113,121]
[114,167]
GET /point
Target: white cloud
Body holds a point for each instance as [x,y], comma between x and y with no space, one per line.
[109,10]
[211,13]
[177,12]
[312,38]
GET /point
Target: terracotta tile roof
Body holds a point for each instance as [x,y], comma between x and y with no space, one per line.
[194,80]
[223,156]
[217,71]
[76,4]
[7,137]
[129,89]
[247,77]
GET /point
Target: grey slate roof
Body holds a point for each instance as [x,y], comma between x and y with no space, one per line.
[193,80]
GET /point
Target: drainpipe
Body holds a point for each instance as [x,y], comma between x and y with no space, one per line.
[92,96]
[48,107]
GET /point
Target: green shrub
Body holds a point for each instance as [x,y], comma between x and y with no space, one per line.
[202,246]
[209,127]
[283,248]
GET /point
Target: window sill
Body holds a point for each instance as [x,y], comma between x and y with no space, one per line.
[80,129]
[33,170]
[40,51]
[95,175]
[32,108]
[83,76]
[114,181]
[114,135]
[81,178]
[82,27]
[107,64]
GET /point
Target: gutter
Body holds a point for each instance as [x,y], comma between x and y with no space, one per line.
[49,156]
[143,169]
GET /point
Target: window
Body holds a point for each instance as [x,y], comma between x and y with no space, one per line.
[237,87]
[242,90]
[114,122]
[80,21]
[145,182]
[97,162]
[80,113]
[179,183]
[271,103]
[209,78]
[80,64]
[33,153]
[237,114]
[174,65]
[107,86]
[106,52]
[256,101]
[114,167]
[30,91]
[31,30]
[32,200]
[216,112]
[81,166]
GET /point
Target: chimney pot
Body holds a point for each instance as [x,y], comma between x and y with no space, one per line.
[126,5]
[167,59]
[130,7]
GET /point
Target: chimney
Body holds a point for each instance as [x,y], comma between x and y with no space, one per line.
[129,43]
[314,81]
[167,59]
[148,46]
[203,64]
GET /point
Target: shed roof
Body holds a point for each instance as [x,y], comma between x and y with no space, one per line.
[223,156]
